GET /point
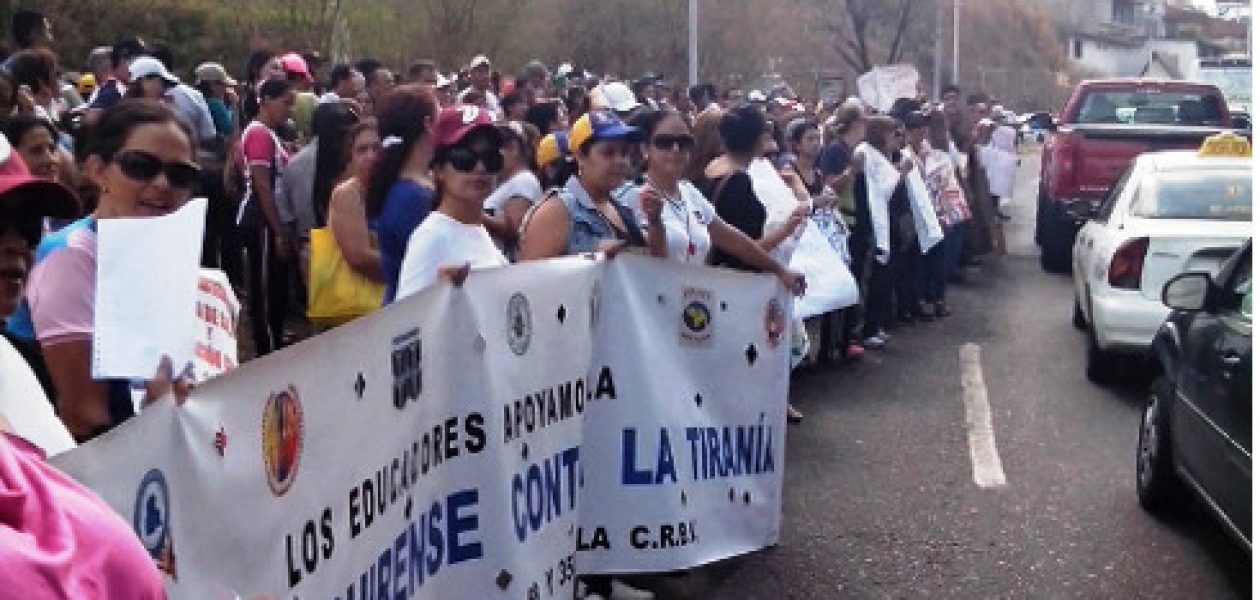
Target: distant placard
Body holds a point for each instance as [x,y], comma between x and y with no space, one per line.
[882,86]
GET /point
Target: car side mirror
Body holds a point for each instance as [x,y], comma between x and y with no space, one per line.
[1188,291]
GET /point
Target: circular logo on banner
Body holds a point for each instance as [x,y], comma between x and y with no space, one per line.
[776,322]
[151,517]
[282,431]
[696,317]
[519,326]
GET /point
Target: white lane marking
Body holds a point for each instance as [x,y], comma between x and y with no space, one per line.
[986,464]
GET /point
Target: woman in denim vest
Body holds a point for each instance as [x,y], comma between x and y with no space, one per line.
[582,216]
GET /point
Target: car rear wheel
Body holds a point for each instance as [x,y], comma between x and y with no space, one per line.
[1158,489]
[1100,365]
[1078,316]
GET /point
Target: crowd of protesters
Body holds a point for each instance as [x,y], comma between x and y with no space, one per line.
[403,179]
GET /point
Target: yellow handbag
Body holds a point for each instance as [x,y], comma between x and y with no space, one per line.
[336,294]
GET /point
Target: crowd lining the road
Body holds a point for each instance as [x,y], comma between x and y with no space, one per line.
[421,176]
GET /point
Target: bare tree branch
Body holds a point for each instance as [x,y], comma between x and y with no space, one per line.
[903,20]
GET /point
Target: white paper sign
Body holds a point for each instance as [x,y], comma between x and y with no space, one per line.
[882,86]
[146,292]
[829,283]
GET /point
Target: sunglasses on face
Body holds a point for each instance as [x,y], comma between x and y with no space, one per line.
[144,167]
[681,143]
[466,159]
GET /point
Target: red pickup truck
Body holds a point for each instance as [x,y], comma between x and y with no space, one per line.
[1103,126]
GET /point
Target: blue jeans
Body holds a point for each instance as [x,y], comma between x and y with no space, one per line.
[939,263]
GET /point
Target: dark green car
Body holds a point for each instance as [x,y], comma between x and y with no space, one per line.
[1195,436]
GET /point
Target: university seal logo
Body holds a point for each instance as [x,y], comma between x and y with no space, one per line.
[282,430]
[697,317]
[520,327]
[151,519]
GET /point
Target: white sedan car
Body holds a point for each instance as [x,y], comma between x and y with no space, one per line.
[1172,212]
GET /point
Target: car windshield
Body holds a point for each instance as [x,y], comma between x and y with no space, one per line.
[1149,107]
[1216,194]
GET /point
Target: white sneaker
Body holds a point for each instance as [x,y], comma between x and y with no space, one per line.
[884,335]
[621,591]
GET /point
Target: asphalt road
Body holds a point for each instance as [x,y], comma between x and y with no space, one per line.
[879,497]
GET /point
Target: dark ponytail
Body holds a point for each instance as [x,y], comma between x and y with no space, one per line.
[400,121]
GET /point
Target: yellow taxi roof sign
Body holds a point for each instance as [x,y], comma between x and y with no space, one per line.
[1226,144]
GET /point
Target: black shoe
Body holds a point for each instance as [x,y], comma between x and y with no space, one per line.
[906,317]
[924,315]
[942,311]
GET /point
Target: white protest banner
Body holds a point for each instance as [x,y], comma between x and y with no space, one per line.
[146,292]
[927,228]
[436,449]
[430,450]
[883,85]
[830,284]
[684,466]
[218,313]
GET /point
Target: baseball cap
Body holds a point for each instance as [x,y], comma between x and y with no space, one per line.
[618,97]
[457,123]
[551,148]
[147,66]
[479,60]
[213,72]
[87,83]
[600,125]
[24,195]
[295,64]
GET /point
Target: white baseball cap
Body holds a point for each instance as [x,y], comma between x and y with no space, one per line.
[479,60]
[618,97]
[147,66]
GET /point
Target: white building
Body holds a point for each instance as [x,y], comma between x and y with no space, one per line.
[1126,38]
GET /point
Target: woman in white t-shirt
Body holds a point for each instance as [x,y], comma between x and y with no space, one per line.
[453,239]
[681,224]
[519,190]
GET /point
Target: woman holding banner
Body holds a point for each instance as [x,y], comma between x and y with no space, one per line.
[681,224]
[746,135]
[582,216]
[453,238]
[951,210]
[870,244]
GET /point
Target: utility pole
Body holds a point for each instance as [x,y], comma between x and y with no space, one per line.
[936,54]
[693,43]
[956,73]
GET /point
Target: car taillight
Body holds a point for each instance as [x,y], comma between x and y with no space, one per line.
[1062,158]
[1126,265]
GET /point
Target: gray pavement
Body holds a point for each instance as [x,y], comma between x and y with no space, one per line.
[879,500]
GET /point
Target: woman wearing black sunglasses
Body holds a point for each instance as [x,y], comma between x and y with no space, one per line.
[142,159]
[453,238]
[681,224]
